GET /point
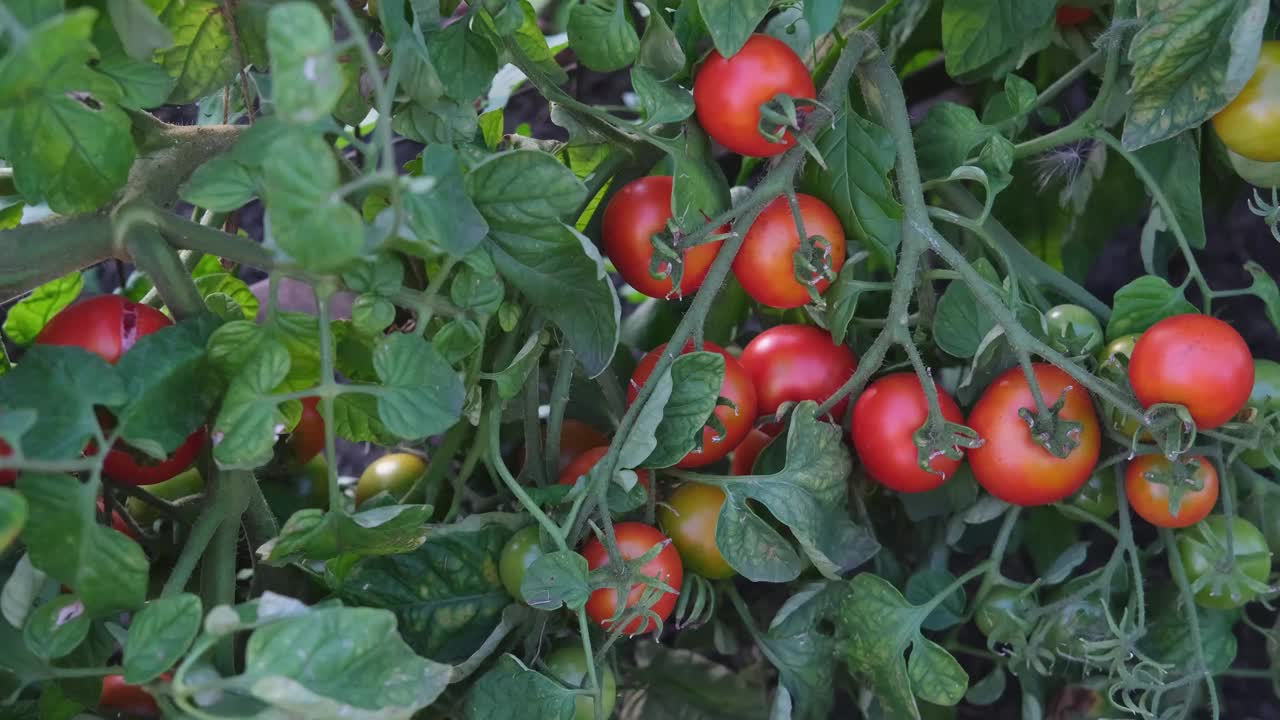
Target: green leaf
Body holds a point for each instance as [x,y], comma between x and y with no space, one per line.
[989,689]
[236,342]
[993,36]
[477,290]
[821,15]
[924,585]
[446,594]
[523,188]
[1190,58]
[104,567]
[696,379]
[158,370]
[160,634]
[809,496]
[556,579]
[201,58]
[56,627]
[308,220]
[439,212]
[511,379]
[803,653]
[699,189]
[13,517]
[59,119]
[313,534]
[356,419]
[420,395]
[444,121]
[62,385]
[660,50]
[244,432]
[1169,638]
[27,318]
[306,81]
[960,323]
[529,38]
[1175,164]
[340,662]
[1264,287]
[601,34]
[947,137]
[141,33]
[936,676]
[372,314]
[662,102]
[678,684]
[231,288]
[731,22]
[465,61]
[1144,302]
[859,156]
[491,697]
[144,85]
[383,274]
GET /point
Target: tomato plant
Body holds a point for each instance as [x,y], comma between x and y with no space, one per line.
[1224,578]
[1193,360]
[728,93]
[313,315]
[766,264]
[635,213]
[689,516]
[1011,464]
[791,363]
[634,541]
[1149,483]
[736,416]
[885,420]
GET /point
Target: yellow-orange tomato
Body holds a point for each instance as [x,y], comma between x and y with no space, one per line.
[690,517]
[1250,124]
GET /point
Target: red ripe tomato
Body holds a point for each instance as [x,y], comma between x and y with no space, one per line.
[635,214]
[791,363]
[744,456]
[886,416]
[634,540]
[117,523]
[7,477]
[587,460]
[765,265]
[1069,15]
[1193,360]
[1150,499]
[109,325]
[126,465]
[308,435]
[1010,465]
[737,420]
[119,696]
[576,437]
[106,324]
[728,93]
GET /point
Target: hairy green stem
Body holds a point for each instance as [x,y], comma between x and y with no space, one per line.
[161,263]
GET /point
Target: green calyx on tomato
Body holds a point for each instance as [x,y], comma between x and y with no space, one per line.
[1250,124]
[637,212]
[394,473]
[1073,330]
[1196,361]
[569,665]
[766,263]
[522,549]
[1223,580]
[690,516]
[1171,495]
[1113,364]
[1011,464]
[635,541]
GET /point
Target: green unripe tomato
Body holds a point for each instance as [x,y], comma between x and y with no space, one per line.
[184,484]
[569,666]
[517,555]
[1113,364]
[689,517]
[1202,548]
[1000,610]
[1265,397]
[394,473]
[1097,497]
[1073,329]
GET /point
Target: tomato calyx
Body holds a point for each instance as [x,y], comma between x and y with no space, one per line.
[813,263]
[669,248]
[1050,431]
[697,603]
[622,576]
[783,115]
[1172,428]
[938,438]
